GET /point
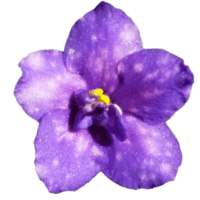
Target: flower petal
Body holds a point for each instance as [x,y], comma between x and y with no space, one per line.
[148,158]
[65,160]
[82,121]
[116,124]
[97,42]
[155,83]
[45,84]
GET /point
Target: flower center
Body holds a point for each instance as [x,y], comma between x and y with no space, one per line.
[99,99]
[93,110]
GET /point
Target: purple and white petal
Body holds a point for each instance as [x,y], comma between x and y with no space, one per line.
[45,84]
[65,160]
[149,157]
[155,84]
[97,42]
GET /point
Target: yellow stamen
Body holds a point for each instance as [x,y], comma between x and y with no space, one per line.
[102,98]
[97,92]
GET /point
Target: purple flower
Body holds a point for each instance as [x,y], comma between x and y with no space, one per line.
[102,105]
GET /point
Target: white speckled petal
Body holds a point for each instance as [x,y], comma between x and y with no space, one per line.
[97,42]
[45,84]
[149,157]
[154,85]
[65,160]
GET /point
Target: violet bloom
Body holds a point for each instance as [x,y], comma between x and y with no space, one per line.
[102,105]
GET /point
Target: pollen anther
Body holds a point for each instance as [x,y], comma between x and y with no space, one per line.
[97,92]
[104,99]
[101,98]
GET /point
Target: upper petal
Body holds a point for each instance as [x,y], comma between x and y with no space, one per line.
[155,83]
[45,84]
[148,158]
[97,42]
[65,160]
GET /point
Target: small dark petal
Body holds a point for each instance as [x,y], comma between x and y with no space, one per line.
[116,124]
[100,116]
[100,135]
[82,121]
[98,110]
[73,107]
[82,98]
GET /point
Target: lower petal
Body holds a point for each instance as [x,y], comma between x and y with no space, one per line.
[149,157]
[65,160]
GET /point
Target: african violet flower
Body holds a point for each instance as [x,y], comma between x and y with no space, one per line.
[102,105]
